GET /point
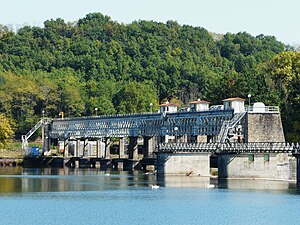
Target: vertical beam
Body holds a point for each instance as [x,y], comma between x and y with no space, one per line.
[149,146]
[85,145]
[298,169]
[121,147]
[146,146]
[46,145]
[43,137]
[107,148]
[66,148]
[133,148]
[58,146]
[77,149]
[166,139]
[99,149]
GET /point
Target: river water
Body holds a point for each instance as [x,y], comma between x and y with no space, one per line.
[89,196]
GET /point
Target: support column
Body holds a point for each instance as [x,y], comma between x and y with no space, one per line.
[77,149]
[58,147]
[107,148]
[43,138]
[166,139]
[182,139]
[48,141]
[298,169]
[133,148]
[85,145]
[121,147]
[99,149]
[149,146]
[66,148]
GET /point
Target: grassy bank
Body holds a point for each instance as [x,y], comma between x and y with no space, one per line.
[5,153]
[12,150]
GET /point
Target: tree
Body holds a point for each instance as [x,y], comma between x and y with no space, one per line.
[284,76]
[136,97]
[5,130]
[3,30]
[19,97]
[98,63]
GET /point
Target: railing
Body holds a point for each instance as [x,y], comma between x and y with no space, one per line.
[31,132]
[229,125]
[252,147]
[266,109]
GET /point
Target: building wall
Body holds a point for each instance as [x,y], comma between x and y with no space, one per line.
[202,107]
[264,127]
[279,166]
[184,163]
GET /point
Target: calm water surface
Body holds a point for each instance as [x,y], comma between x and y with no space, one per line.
[89,196]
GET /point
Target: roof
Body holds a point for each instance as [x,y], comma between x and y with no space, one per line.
[168,104]
[233,99]
[199,101]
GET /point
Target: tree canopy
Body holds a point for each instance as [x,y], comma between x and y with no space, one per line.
[117,68]
[5,130]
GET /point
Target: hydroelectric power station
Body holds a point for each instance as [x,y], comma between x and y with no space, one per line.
[242,142]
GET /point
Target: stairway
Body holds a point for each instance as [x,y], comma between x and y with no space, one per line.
[229,125]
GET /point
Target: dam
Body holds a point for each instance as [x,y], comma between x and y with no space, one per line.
[245,142]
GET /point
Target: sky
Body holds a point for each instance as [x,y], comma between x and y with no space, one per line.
[279,18]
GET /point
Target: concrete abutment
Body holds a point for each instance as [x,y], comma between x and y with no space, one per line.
[184,163]
[265,166]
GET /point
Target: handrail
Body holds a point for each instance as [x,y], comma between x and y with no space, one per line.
[266,109]
[229,125]
[31,132]
[215,147]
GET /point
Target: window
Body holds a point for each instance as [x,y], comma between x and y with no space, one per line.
[266,157]
[251,158]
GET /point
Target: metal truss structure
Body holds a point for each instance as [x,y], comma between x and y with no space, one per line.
[145,125]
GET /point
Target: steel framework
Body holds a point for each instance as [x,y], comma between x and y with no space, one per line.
[134,125]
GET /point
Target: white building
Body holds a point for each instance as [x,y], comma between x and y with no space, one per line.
[199,105]
[168,108]
[237,104]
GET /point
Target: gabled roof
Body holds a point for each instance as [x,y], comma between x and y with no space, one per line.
[233,99]
[199,101]
[168,104]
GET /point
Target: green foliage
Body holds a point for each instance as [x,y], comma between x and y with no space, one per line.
[5,130]
[117,68]
[136,97]
[283,72]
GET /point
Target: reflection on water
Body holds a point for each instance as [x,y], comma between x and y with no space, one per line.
[14,179]
[250,184]
[89,196]
[18,179]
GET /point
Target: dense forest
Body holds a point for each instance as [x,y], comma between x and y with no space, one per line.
[122,68]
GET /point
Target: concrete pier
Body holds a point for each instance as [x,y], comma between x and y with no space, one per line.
[184,163]
[265,166]
[298,169]
[264,127]
[133,148]
[107,148]
[121,147]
